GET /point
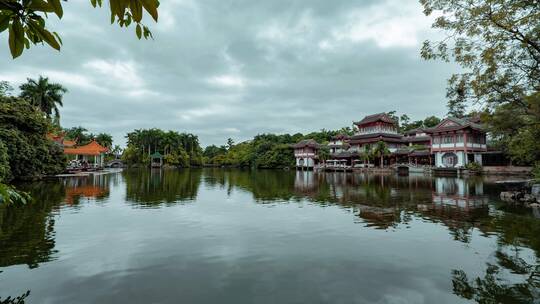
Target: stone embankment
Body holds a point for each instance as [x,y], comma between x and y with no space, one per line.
[525,193]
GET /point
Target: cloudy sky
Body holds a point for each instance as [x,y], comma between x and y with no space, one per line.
[236,68]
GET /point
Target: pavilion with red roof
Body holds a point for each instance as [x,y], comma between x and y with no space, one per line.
[86,152]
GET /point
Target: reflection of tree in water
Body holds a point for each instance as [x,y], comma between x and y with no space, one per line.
[459,221]
[27,232]
[265,185]
[153,187]
[15,300]
[513,278]
[381,201]
[492,288]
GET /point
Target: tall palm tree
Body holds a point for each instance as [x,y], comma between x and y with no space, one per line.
[323,153]
[104,139]
[381,150]
[366,155]
[44,95]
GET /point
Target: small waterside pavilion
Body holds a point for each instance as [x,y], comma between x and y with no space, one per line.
[92,151]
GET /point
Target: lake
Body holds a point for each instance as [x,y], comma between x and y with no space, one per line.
[246,236]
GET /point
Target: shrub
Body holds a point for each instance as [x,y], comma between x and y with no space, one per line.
[474,166]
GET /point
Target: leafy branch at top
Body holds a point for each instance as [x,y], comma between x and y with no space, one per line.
[25,20]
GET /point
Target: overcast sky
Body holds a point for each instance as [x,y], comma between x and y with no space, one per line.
[236,68]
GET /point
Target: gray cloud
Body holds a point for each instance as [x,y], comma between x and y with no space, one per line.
[237,68]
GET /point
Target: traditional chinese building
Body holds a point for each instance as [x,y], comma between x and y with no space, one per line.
[452,143]
[93,153]
[340,153]
[417,137]
[375,128]
[60,139]
[306,154]
[456,142]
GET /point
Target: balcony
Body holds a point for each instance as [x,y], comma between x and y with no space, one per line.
[304,155]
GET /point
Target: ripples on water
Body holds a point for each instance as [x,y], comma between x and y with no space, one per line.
[233,236]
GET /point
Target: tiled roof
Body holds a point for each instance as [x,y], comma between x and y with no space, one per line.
[454,124]
[416,138]
[376,117]
[93,148]
[414,131]
[69,143]
[385,135]
[306,143]
[343,154]
[340,136]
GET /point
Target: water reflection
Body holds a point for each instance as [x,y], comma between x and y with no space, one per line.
[151,188]
[85,188]
[27,232]
[379,207]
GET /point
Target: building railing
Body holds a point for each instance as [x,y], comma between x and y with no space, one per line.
[304,154]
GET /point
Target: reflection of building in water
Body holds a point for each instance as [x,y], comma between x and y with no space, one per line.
[304,181]
[94,186]
[459,192]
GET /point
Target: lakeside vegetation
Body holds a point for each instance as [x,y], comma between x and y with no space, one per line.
[497,46]
[495,42]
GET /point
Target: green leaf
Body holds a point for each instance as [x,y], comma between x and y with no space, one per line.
[57,7]
[136,10]
[151,7]
[58,37]
[4,22]
[138,30]
[42,6]
[16,38]
[45,35]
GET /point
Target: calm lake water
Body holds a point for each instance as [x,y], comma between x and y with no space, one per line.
[233,236]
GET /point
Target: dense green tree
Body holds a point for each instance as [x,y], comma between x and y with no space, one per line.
[279,156]
[104,139]
[26,20]
[431,121]
[5,171]
[497,44]
[265,150]
[78,134]
[5,88]
[323,154]
[44,95]
[212,151]
[173,145]
[23,131]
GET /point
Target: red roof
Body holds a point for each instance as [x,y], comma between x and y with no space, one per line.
[69,143]
[93,148]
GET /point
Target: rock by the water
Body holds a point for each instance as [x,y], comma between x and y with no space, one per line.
[535,191]
[508,196]
[526,197]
